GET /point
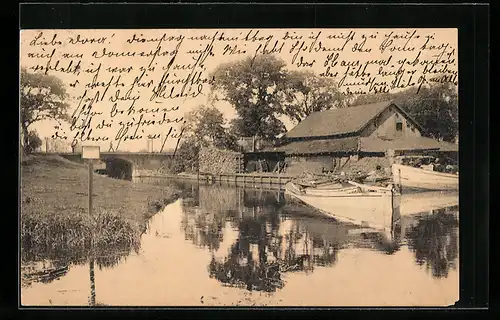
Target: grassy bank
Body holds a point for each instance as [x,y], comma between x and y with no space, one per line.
[54,217]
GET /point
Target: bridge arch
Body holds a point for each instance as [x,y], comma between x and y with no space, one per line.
[126,165]
[119,168]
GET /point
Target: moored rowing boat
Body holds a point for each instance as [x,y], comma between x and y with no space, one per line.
[409,177]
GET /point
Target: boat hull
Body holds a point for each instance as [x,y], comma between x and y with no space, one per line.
[327,192]
[370,209]
[409,177]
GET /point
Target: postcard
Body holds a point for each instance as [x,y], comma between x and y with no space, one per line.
[239,167]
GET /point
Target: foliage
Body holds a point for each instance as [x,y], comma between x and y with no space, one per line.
[42,97]
[186,156]
[206,125]
[307,93]
[261,90]
[254,88]
[33,142]
[435,107]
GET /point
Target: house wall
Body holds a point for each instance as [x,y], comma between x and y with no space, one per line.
[297,165]
[385,126]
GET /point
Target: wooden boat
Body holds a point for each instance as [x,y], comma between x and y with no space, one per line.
[373,207]
[346,187]
[325,189]
[410,177]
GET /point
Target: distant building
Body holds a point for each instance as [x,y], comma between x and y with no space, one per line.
[333,139]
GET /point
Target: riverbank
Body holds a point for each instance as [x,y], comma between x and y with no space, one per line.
[54,209]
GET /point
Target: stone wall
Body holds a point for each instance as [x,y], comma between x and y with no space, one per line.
[217,161]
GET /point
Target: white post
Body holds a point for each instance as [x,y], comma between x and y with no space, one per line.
[91,184]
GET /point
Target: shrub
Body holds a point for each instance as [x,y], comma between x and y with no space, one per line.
[33,142]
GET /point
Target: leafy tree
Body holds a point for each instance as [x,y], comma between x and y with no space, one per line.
[204,126]
[254,88]
[207,126]
[249,123]
[33,142]
[186,156]
[42,97]
[307,93]
[435,107]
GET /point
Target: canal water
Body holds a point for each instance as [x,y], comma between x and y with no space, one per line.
[228,246]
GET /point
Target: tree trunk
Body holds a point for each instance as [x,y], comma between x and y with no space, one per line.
[25,141]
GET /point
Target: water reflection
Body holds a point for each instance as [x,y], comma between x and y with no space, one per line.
[434,241]
[221,236]
[274,235]
[46,262]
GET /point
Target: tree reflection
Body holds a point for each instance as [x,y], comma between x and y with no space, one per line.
[205,217]
[204,230]
[273,236]
[381,242]
[434,240]
[328,252]
[260,255]
[241,267]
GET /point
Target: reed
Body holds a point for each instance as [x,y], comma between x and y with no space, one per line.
[70,237]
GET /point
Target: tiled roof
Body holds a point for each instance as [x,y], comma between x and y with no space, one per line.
[337,121]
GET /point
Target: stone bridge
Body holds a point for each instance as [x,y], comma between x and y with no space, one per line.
[126,165]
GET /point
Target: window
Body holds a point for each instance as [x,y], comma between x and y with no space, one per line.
[399,126]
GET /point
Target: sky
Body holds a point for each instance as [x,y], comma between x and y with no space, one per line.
[301,49]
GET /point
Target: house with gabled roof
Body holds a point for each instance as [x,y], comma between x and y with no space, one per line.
[328,140]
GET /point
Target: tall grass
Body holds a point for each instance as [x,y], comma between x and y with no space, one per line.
[70,237]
